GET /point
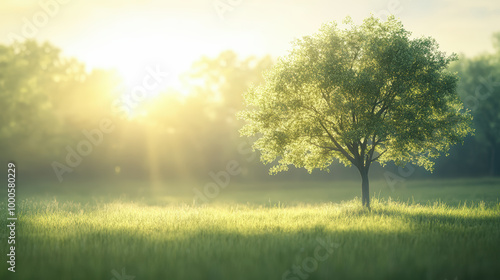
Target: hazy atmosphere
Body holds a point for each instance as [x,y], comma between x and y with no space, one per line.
[244,139]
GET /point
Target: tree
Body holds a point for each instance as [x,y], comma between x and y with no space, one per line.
[30,75]
[479,87]
[47,100]
[360,94]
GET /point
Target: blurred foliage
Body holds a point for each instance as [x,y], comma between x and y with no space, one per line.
[479,88]
[48,101]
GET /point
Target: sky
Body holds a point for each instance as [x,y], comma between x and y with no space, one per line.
[129,35]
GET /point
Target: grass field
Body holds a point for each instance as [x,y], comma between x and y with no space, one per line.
[442,229]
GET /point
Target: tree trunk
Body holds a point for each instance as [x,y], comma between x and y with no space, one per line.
[365,187]
[492,161]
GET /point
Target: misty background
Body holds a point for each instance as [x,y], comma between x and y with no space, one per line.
[68,66]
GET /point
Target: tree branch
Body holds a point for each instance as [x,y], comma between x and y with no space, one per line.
[341,150]
[326,147]
[376,158]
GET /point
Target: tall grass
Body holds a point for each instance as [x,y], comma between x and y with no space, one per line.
[396,240]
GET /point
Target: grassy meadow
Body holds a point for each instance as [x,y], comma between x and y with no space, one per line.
[434,229]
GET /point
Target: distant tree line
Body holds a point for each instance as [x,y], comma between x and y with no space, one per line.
[48,101]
